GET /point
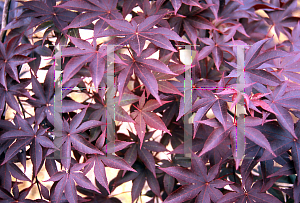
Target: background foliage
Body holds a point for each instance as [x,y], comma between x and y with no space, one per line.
[149,98]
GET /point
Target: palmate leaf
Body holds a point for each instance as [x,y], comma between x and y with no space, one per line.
[191,22]
[46,11]
[105,158]
[9,170]
[102,112]
[12,55]
[70,134]
[43,99]
[220,133]
[90,11]
[136,35]
[16,89]
[142,67]
[143,116]
[213,156]
[208,101]
[200,184]
[25,136]
[283,19]
[94,197]
[177,4]
[83,53]
[289,67]
[135,151]
[66,183]
[249,193]
[17,196]
[216,46]
[138,180]
[253,60]
[283,141]
[280,102]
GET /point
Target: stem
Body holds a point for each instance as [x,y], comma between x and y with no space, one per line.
[225,175]
[233,171]
[3,114]
[38,186]
[119,193]
[228,81]
[269,31]
[130,52]
[137,87]
[136,107]
[4,19]
[23,110]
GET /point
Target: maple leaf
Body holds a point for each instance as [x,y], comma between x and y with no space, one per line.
[9,170]
[137,34]
[70,134]
[143,153]
[196,84]
[200,183]
[25,136]
[231,11]
[252,62]
[104,112]
[143,115]
[104,196]
[169,109]
[191,21]
[220,133]
[13,89]
[280,101]
[216,46]
[215,155]
[251,193]
[142,67]
[225,16]
[66,183]
[209,101]
[282,20]
[251,101]
[138,180]
[18,196]
[150,9]
[12,55]
[83,53]
[46,11]
[90,11]
[283,141]
[166,86]
[177,4]
[294,41]
[288,67]
[43,98]
[99,160]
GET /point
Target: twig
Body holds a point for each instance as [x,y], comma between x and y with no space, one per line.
[4,18]
[23,110]
[38,186]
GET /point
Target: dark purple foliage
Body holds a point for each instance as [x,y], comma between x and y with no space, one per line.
[71,138]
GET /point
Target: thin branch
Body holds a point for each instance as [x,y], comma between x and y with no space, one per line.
[23,110]
[38,186]
[4,18]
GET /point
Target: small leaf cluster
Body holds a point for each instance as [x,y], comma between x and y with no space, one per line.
[132,73]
